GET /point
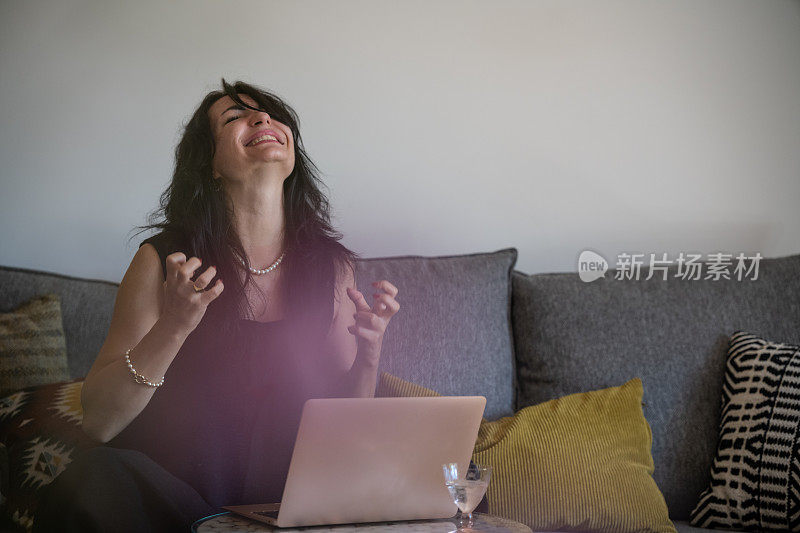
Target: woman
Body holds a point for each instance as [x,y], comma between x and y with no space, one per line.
[239,310]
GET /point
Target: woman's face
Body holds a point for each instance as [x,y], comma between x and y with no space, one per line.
[241,146]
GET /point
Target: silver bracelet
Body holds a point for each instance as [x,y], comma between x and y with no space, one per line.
[137,376]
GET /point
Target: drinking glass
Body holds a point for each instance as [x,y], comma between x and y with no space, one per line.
[467,487]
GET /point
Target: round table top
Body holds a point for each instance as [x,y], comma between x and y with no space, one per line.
[232,523]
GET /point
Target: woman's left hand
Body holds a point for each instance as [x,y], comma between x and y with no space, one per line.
[371,322]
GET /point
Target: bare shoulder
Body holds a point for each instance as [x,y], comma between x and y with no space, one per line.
[146,259]
[145,274]
[345,277]
[345,272]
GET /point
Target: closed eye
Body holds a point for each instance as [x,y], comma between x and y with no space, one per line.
[232,118]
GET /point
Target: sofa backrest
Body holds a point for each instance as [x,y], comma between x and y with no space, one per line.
[453,333]
[571,336]
[453,336]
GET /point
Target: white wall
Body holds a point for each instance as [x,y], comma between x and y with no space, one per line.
[441,127]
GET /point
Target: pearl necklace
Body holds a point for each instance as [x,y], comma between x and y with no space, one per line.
[270,268]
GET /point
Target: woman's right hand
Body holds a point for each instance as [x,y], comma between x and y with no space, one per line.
[183,306]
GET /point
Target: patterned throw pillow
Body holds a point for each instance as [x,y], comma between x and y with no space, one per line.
[581,462]
[32,346]
[40,428]
[755,477]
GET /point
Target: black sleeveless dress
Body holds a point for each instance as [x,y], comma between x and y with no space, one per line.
[219,431]
[225,419]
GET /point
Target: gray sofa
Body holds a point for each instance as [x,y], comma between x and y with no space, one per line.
[471,324]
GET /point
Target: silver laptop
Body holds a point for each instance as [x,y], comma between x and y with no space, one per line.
[359,460]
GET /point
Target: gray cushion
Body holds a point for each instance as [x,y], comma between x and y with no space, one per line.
[86,306]
[453,332]
[573,336]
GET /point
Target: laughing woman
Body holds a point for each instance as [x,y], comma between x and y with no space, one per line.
[243,306]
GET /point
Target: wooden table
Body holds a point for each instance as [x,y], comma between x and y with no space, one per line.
[232,523]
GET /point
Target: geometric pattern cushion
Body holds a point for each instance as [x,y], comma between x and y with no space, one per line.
[40,428]
[32,346]
[755,478]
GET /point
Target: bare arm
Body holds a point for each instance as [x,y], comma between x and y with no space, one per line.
[144,320]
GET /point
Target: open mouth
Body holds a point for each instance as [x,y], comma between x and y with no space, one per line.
[265,138]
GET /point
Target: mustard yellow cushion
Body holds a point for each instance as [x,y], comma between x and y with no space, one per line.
[577,463]
[390,386]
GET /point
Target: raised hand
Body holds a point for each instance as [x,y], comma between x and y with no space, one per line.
[185,302]
[371,322]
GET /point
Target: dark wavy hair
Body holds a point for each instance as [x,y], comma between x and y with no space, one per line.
[196,214]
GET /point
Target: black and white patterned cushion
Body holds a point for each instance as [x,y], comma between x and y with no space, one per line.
[755,477]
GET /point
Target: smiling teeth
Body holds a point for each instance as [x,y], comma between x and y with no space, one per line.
[267,137]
